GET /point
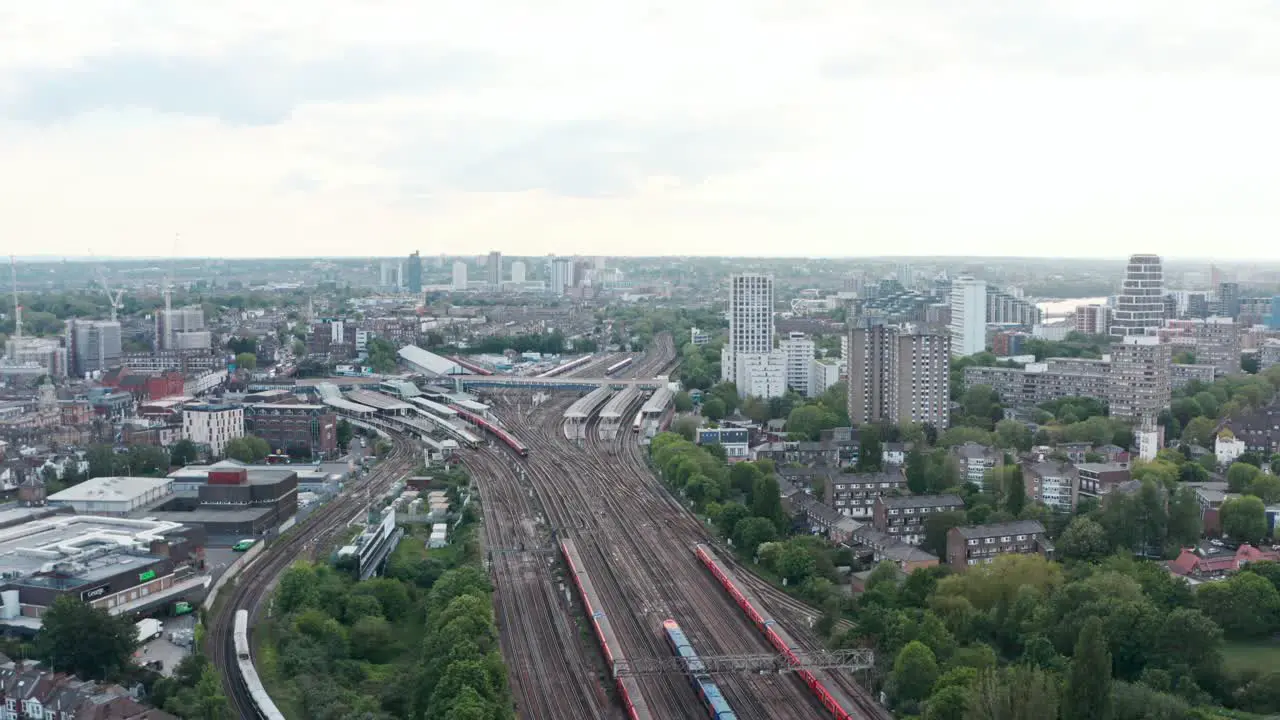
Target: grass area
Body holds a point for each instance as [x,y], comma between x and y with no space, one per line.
[1260,655]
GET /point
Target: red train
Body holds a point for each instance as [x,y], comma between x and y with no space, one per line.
[777,636]
[628,689]
[468,365]
[507,438]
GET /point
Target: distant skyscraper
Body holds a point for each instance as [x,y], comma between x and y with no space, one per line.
[750,321]
[391,275]
[413,273]
[1092,319]
[968,316]
[899,375]
[1229,299]
[1140,305]
[562,275]
[518,272]
[459,275]
[494,269]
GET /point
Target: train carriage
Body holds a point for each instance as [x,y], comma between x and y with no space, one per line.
[265,708]
[712,698]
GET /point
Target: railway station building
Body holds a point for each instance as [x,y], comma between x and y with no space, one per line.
[122,565]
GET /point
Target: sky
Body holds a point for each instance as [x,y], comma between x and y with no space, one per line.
[1090,128]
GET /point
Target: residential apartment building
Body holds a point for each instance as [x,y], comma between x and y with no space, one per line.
[1052,484]
[1092,319]
[1095,480]
[968,316]
[1141,384]
[1004,308]
[1057,378]
[1214,341]
[413,273]
[762,375]
[493,269]
[976,461]
[459,283]
[1139,307]
[855,495]
[1268,354]
[904,517]
[750,322]
[93,345]
[980,544]
[1260,429]
[899,375]
[212,426]
[798,349]
[823,374]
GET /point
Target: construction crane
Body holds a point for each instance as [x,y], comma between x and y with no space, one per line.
[115,300]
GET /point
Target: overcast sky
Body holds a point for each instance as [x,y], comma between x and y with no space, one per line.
[761,127]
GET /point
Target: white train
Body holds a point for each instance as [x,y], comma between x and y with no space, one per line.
[261,701]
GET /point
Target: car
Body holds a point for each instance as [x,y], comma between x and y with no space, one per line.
[244,545]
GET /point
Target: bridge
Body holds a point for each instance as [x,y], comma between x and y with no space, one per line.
[463,382]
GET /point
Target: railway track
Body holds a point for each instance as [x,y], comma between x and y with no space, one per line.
[311,537]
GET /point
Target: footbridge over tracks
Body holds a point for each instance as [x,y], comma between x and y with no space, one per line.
[464,382]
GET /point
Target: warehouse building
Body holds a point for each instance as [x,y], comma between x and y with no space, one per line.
[113,495]
[236,501]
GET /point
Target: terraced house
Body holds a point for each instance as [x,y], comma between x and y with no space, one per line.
[28,692]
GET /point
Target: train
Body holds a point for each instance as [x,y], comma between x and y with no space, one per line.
[639,423]
[717,707]
[618,367]
[266,709]
[628,688]
[507,438]
[468,365]
[777,636]
[566,367]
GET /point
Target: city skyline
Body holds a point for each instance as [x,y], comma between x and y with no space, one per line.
[407,126]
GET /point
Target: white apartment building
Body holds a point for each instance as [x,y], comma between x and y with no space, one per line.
[799,350]
[562,275]
[750,323]
[823,374]
[459,275]
[1140,305]
[968,316]
[762,374]
[698,336]
[212,426]
[518,272]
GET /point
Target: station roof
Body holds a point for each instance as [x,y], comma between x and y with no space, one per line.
[659,400]
[429,362]
[351,407]
[619,403]
[377,400]
[587,404]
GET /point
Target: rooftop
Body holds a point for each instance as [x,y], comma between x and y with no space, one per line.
[1017,527]
[31,546]
[919,501]
[429,362]
[110,488]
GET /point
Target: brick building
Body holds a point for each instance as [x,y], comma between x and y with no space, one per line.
[978,544]
[295,429]
[904,517]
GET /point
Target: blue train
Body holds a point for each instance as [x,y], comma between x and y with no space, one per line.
[707,689]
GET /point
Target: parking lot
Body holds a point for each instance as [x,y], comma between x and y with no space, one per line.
[163,649]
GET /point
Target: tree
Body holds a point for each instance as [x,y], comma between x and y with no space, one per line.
[917,472]
[248,449]
[766,499]
[914,672]
[1244,519]
[1088,690]
[714,409]
[683,402]
[1184,517]
[1015,492]
[82,640]
[936,527]
[981,403]
[247,361]
[743,477]
[810,421]
[869,452]
[184,452]
[728,517]
[344,432]
[1266,487]
[1014,435]
[686,427]
[1244,606]
[751,532]
[1240,476]
[1199,431]
[1016,693]
[1084,540]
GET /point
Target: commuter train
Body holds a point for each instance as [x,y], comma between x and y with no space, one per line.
[507,438]
[717,707]
[639,423]
[628,688]
[778,637]
[618,367]
[266,709]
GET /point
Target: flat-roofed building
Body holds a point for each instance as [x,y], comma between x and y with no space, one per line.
[904,517]
[112,495]
[981,544]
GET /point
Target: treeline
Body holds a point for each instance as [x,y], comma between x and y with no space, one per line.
[418,643]
[1023,637]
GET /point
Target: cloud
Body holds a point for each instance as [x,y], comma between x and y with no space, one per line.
[747,127]
[241,88]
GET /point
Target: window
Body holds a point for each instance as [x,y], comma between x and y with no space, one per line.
[989,541]
[973,542]
[1005,539]
[1022,537]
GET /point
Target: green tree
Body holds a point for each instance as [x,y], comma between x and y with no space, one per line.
[248,449]
[1240,476]
[1015,693]
[1084,540]
[917,472]
[1184,517]
[936,527]
[1015,491]
[1244,519]
[729,515]
[345,433]
[686,427]
[714,409]
[751,532]
[683,402]
[372,639]
[766,499]
[247,361]
[1245,606]
[1199,431]
[869,451]
[915,669]
[1013,435]
[810,421]
[82,640]
[183,453]
[1266,487]
[1088,690]
[743,477]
